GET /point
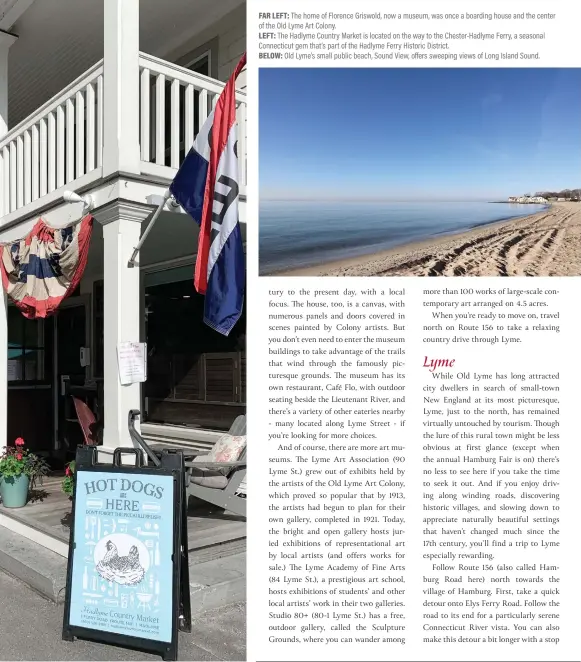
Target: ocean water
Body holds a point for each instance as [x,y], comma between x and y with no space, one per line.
[301,234]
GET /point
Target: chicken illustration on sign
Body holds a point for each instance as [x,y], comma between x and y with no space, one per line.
[126,570]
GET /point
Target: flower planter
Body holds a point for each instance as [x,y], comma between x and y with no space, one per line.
[14,490]
[17,468]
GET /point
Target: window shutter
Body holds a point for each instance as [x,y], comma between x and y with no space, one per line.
[189,378]
[242,377]
[220,377]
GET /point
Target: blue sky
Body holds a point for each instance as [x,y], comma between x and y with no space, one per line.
[418,134]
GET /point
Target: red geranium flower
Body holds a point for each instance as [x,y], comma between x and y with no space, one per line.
[19,456]
[19,442]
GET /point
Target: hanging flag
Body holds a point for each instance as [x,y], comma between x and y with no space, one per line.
[42,269]
[206,186]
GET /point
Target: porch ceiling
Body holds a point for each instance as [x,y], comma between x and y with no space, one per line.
[60,39]
[11,10]
[5,6]
[173,236]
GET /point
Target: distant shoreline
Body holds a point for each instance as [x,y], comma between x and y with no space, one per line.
[547,243]
[433,239]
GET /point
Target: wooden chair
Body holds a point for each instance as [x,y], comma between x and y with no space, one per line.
[218,482]
[87,421]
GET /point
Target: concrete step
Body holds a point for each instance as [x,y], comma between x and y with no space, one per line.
[218,582]
[42,569]
[228,548]
[216,579]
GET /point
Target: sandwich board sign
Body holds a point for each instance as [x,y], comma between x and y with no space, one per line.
[128,554]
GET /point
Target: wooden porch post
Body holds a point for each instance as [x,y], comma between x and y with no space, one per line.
[6,40]
[121,87]
[121,222]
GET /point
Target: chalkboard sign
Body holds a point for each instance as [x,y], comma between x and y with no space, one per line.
[127,548]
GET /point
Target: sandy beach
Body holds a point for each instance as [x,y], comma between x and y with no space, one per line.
[544,244]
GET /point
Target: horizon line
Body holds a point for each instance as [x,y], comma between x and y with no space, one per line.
[285,199]
[335,198]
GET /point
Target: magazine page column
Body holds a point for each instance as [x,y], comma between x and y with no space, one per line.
[416,487]
[498,483]
[340,477]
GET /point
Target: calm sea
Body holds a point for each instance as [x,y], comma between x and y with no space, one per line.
[302,234]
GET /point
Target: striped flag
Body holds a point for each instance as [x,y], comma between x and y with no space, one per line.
[206,186]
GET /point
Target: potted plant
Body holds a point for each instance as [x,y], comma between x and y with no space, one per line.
[69,479]
[18,469]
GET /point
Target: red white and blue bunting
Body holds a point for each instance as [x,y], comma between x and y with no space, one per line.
[42,269]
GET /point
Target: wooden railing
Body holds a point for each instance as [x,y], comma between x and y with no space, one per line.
[60,142]
[63,140]
[174,104]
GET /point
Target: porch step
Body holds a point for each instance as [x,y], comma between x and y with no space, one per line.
[40,568]
[217,574]
[43,518]
[18,520]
